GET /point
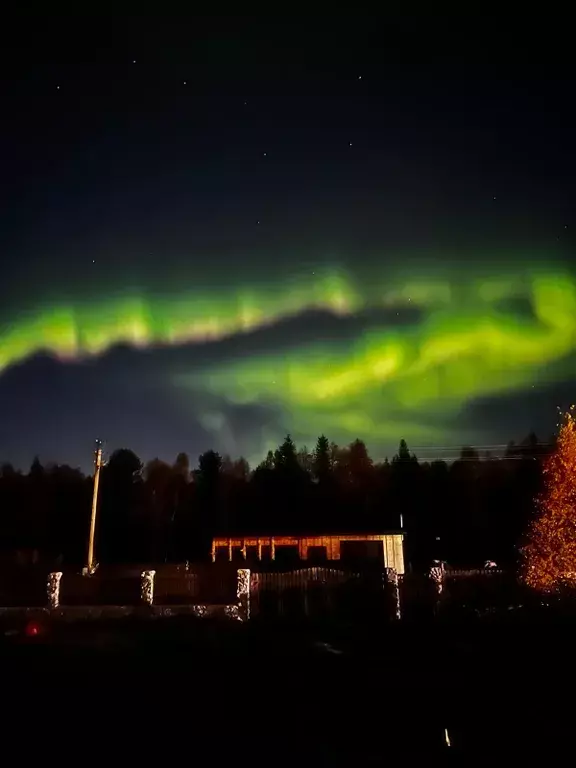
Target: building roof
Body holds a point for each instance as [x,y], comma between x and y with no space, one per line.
[305,534]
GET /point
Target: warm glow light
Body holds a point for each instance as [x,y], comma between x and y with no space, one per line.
[32,629]
[550,555]
[392,546]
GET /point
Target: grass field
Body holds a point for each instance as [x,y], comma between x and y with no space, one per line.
[289,694]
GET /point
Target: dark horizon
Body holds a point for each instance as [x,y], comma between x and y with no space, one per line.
[424,454]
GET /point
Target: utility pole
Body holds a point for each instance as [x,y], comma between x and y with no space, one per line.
[91,566]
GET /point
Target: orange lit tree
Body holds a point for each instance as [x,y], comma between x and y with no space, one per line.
[549,557]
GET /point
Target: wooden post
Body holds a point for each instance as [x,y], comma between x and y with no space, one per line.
[230,550]
[91,565]
[272,548]
[259,549]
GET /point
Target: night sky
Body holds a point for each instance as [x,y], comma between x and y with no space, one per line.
[216,233]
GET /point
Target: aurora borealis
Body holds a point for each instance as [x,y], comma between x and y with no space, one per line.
[272,266]
[419,347]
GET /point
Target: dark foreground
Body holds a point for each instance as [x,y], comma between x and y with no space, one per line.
[179,689]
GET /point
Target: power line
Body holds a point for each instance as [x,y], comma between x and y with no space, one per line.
[476,446]
[476,459]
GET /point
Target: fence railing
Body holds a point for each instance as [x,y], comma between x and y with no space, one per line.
[24,587]
[463,573]
[311,592]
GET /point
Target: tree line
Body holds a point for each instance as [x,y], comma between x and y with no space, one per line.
[466,511]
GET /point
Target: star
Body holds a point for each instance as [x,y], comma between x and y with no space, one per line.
[494,198]
[185,82]
[57,87]
[133,61]
[257,222]
[359,77]
[265,154]
[350,144]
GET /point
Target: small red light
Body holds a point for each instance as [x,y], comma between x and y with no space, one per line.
[32,629]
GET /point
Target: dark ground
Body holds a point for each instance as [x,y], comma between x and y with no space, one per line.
[181,689]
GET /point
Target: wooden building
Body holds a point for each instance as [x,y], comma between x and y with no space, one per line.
[384,548]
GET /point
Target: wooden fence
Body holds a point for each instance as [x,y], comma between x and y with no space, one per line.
[173,585]
[473,591]
[481,590]
[321,592]
[314,592]
[207,584]
[23,586]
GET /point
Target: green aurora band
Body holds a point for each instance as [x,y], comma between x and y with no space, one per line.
[470,340]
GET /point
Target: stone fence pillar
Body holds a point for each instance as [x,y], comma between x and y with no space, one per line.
[53,589]
[393,586]
[436,574]
[147,587]
[243,593]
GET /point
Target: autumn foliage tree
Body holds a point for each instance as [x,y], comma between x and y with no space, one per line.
[549,557]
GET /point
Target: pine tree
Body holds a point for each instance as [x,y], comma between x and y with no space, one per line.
[322,459]
[549,558]
[404,454]
[182,466]
[268,462]
[36,469]
[285,456]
